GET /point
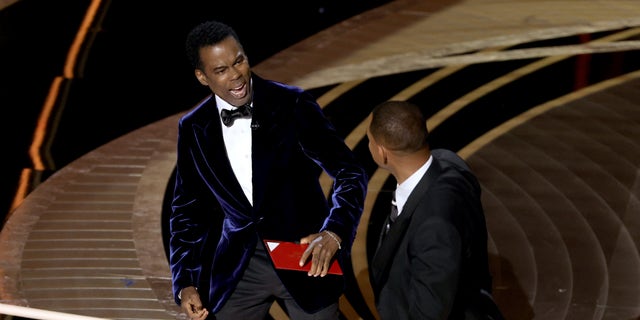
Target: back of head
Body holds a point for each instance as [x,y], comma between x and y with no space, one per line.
[206,34]
[399,126]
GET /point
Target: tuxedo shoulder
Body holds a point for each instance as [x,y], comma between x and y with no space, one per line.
[450,158]
[283,88]
[202,110]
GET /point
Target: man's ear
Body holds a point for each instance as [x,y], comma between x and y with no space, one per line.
[202,78]
[382,151]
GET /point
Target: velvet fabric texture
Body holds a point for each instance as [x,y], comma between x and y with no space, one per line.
[214,227]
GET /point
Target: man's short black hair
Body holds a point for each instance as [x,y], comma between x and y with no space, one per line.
[206,34]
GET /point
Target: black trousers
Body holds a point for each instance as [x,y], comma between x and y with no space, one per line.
[259,288]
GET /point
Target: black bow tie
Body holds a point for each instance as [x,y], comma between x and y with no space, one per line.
[229,116]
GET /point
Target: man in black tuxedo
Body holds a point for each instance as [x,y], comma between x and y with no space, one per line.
[242,180]
[432,260]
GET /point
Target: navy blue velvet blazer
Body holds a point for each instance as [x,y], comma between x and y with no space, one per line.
[214,228]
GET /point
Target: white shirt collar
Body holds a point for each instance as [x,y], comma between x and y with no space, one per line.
[404,189]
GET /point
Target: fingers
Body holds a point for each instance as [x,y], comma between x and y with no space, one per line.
[192,306]
[199,314]
[315,258]
[309,238]
[313,242]
[195,313]
[321,249]
[320,261]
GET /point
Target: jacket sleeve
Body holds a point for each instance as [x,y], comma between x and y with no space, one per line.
[320,141]
[195,218]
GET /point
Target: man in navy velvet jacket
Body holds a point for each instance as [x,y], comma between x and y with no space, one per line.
[253,178]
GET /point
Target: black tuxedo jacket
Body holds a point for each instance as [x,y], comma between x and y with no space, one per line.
[433,262]
[214,228]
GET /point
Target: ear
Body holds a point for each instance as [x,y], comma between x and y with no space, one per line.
[202,78]
[382,152]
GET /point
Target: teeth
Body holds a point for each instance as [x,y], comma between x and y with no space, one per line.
[238,92]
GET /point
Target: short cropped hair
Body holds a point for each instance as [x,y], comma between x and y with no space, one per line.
[206,34]
[399,126]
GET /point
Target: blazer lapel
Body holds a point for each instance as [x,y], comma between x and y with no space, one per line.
[264,125]
[208,134]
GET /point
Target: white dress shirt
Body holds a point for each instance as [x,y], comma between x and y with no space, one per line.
[237,141]
[404,189]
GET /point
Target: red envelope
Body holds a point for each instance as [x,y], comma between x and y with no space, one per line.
[286,255]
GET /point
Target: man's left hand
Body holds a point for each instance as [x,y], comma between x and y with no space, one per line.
[322,248]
